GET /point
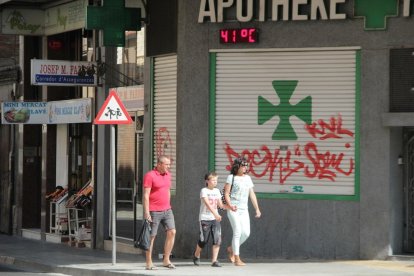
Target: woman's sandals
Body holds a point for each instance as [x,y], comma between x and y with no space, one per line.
[238,262]
[230,254]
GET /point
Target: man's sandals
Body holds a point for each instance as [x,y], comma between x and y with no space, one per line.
[170,266]
[153,267]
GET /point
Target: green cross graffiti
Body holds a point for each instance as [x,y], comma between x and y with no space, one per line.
[302,110]
[375,12]
[114,19]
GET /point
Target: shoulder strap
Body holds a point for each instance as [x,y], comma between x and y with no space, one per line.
[231,186]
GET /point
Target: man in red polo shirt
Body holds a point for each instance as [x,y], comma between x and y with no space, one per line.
[157,209]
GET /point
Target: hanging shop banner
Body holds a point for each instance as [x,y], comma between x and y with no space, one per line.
[63,73]
[55,112]
[66,17]
[16,21]
[293,115]
[131,96]
[70,111]
[24,112]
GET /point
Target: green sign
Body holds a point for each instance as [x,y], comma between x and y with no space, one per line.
[376,12]
[114,19]
[302,110]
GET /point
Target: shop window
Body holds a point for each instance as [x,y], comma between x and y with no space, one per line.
[80,155]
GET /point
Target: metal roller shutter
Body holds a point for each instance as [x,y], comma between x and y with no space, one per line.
[293,115]
[165,111]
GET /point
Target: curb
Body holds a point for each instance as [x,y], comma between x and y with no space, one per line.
[39,268]
[25,264]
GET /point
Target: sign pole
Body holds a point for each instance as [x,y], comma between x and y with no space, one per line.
[113,189]
[113,112]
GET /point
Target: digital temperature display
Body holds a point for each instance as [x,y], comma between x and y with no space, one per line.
[245,35]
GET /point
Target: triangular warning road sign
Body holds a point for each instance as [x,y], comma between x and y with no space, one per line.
[112,112]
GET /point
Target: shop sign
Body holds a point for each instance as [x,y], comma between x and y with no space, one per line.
[54,112]
[374,12]
[16,21]
[61,73]
[24,112]
[131,96]
[55,44]
[105,18]
[245,10]
[66,17]
[70,111]
[58,19]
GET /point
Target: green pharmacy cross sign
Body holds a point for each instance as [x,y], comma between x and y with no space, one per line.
[114,19]
[376,12]
[302,110]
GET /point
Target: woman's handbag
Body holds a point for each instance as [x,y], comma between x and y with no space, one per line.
[144,238]
[223,198]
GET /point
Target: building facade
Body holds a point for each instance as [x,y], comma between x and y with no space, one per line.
[316,95]
[47,155]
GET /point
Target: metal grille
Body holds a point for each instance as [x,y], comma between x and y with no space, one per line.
[402,80]
[409,196]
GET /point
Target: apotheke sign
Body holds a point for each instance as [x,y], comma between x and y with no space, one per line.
[374,12]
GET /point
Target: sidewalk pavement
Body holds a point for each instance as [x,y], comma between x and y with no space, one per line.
[43,256]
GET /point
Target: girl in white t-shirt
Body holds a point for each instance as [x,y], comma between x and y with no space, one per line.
[237,191]
[209,219]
